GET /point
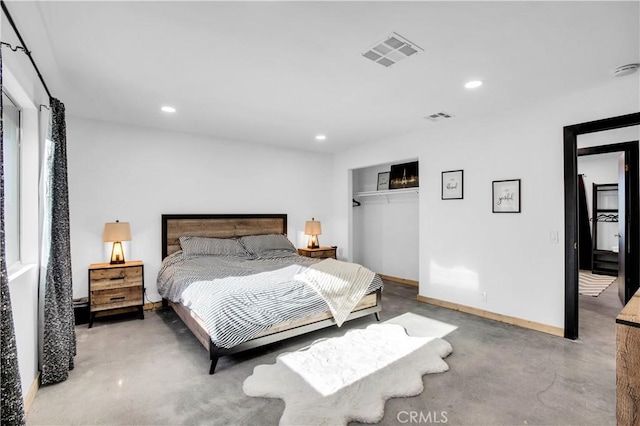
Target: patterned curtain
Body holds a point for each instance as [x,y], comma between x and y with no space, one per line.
[11,403]
[59,340]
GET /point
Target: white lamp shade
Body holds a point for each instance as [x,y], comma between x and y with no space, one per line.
[116,231]
[312,227]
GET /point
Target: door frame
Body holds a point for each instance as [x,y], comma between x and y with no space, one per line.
[570,148]
[631,203]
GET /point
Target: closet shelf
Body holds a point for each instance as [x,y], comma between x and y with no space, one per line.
[387,192]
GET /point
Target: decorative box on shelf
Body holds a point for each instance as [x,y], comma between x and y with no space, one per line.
[114,287]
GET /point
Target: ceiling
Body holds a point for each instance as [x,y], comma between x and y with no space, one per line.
[281,72]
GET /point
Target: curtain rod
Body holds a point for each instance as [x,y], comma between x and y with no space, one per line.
[24,47]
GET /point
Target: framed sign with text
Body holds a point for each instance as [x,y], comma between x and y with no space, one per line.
[383,181]
[506,196]
[452,185]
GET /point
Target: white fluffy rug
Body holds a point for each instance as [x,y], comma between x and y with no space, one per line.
[346,378]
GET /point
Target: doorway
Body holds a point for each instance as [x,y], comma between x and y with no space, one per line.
[631,256]
[610,250]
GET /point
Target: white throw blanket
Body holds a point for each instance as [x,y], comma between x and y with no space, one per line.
[341,285]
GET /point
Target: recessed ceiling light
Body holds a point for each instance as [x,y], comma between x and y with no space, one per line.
[167,108]
[321,137]
[473,84]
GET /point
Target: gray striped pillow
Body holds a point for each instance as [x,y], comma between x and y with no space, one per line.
[212,246]
[270,245]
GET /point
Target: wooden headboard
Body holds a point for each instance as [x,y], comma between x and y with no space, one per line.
[217,225]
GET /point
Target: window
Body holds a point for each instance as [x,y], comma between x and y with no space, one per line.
[11,121]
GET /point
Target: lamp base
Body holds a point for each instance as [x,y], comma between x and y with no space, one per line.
[313,242]
[117,254]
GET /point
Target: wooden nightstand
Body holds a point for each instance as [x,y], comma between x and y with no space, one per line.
[320,252]
[115,287]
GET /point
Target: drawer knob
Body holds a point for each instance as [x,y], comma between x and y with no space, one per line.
[118,298]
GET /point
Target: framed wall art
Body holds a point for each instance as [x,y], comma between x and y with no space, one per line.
[383,181]
[506,196]
[404,176]
[452,182]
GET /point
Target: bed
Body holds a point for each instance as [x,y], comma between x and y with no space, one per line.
[193,276]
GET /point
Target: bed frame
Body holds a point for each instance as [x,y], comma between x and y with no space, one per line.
[237,225]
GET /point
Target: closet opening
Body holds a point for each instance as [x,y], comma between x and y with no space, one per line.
[385,224]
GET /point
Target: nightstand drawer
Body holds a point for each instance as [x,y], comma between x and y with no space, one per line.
[104,279]
[322,253]
[116,298]
[319,253]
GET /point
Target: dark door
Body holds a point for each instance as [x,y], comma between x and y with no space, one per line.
[629,225]
[622,227]
[585,243]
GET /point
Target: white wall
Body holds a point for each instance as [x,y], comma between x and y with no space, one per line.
[136,174]
[603,168]
[608,137]
[23,289]
[466,251]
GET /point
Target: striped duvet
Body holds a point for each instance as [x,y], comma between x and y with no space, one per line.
[238,298]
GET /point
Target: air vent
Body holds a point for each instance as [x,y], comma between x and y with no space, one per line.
[626,70]
[391,50]
[439,116]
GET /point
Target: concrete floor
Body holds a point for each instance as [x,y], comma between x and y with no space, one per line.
[154,372]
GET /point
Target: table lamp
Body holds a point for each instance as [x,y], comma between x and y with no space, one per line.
[116,232]
[313,229]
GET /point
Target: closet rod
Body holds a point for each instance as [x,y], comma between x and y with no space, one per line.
[24,47]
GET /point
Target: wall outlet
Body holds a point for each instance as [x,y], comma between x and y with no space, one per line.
[484,296]
[553,237]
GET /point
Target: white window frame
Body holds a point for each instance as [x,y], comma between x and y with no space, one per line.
[12,247]
[29,175]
